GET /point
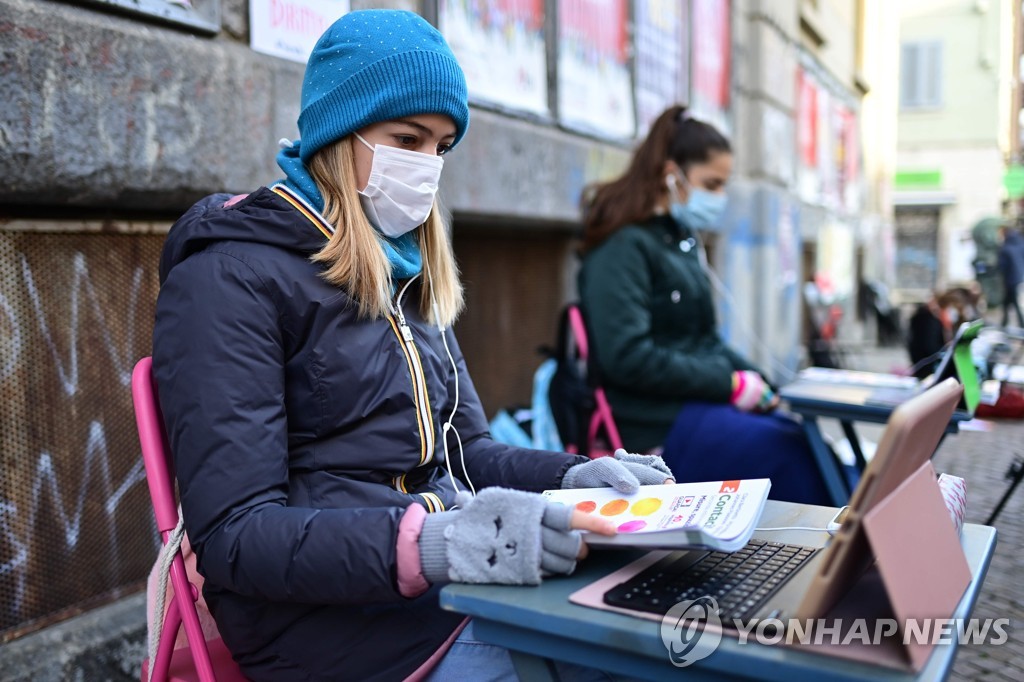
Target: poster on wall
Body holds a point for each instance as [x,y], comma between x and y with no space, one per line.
[711,61]
[500,45]
[828,143]
[789,245]
[828,171]
[835,247]
[201,16]
[661,55]
[290,28]
[848,159]
[777,143]
[594,85]
[808,179]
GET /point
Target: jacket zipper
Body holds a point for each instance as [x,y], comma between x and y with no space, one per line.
[405,340]
[421,398]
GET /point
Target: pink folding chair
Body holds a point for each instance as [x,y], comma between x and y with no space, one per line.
[201,660]
[601,418]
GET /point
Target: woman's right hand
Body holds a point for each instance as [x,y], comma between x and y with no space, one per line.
[506,537]
[591,523]
[751,393]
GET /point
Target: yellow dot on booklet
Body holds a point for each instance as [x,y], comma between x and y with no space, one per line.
[614,507]
[646,506]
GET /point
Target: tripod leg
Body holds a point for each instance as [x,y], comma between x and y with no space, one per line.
[1015,474]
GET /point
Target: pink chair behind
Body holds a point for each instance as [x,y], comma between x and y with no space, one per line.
[201,660]
[602,416]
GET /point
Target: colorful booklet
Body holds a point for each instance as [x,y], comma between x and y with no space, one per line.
[718,515]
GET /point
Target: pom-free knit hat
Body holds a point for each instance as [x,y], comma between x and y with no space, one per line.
[378,65]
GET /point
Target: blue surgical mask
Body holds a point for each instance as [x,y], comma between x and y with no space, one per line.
[702,210]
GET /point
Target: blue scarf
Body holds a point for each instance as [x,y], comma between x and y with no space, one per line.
[402,252]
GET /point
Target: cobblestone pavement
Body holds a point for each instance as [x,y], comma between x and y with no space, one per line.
[982,458]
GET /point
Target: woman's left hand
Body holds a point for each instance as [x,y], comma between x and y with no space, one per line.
[623,471]
[772,404]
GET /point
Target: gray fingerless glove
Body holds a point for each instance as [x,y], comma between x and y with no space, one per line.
[623,471]
[500,536]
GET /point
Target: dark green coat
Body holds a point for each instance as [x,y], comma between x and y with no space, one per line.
[651,321]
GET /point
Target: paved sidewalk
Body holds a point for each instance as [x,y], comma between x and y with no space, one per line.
[982,459]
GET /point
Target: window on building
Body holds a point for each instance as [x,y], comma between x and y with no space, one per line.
[921,75]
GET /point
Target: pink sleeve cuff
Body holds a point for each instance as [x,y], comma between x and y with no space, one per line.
[411,582]
[750,390]
[738,384]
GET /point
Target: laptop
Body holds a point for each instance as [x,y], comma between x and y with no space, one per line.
[853,387]
[821,577]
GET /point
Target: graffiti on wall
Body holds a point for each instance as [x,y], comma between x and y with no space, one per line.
[75,522]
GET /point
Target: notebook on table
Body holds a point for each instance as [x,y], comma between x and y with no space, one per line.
[878,388]
[896,520]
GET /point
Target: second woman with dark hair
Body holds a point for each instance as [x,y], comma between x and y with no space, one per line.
[673,383]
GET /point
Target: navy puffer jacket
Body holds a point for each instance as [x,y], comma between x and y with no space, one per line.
[302,435]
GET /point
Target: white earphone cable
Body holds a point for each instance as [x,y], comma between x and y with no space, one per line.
[719,286]
[702,257]
[447,425]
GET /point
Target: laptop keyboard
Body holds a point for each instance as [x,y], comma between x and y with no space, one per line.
[741,582]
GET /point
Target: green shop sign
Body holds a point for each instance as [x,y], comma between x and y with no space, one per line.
[1013,181]
[918,179]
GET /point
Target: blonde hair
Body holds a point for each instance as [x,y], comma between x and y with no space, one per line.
[355,257]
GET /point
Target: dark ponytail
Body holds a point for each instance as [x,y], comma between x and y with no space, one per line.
[631,198]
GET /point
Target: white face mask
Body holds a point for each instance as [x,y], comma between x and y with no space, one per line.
[401,190]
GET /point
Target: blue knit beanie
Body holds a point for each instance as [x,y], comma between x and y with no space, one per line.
[378,65]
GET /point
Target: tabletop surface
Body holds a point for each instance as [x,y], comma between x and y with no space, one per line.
[542,621]
[844,402]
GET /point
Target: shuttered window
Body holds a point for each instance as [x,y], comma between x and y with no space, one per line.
[921,75]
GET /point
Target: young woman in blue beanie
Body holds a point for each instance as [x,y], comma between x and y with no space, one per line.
[674,385]
[326,434]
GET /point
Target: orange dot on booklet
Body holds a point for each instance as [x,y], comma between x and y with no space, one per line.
[614,507]
[586,506]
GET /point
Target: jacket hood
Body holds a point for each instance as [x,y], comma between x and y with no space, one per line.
[262,217]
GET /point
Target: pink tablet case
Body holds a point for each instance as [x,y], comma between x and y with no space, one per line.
[918,554]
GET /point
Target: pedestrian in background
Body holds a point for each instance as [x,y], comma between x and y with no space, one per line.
[932,326]
[1011,265]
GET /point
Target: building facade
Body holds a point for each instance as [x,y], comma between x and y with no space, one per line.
[954,135]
